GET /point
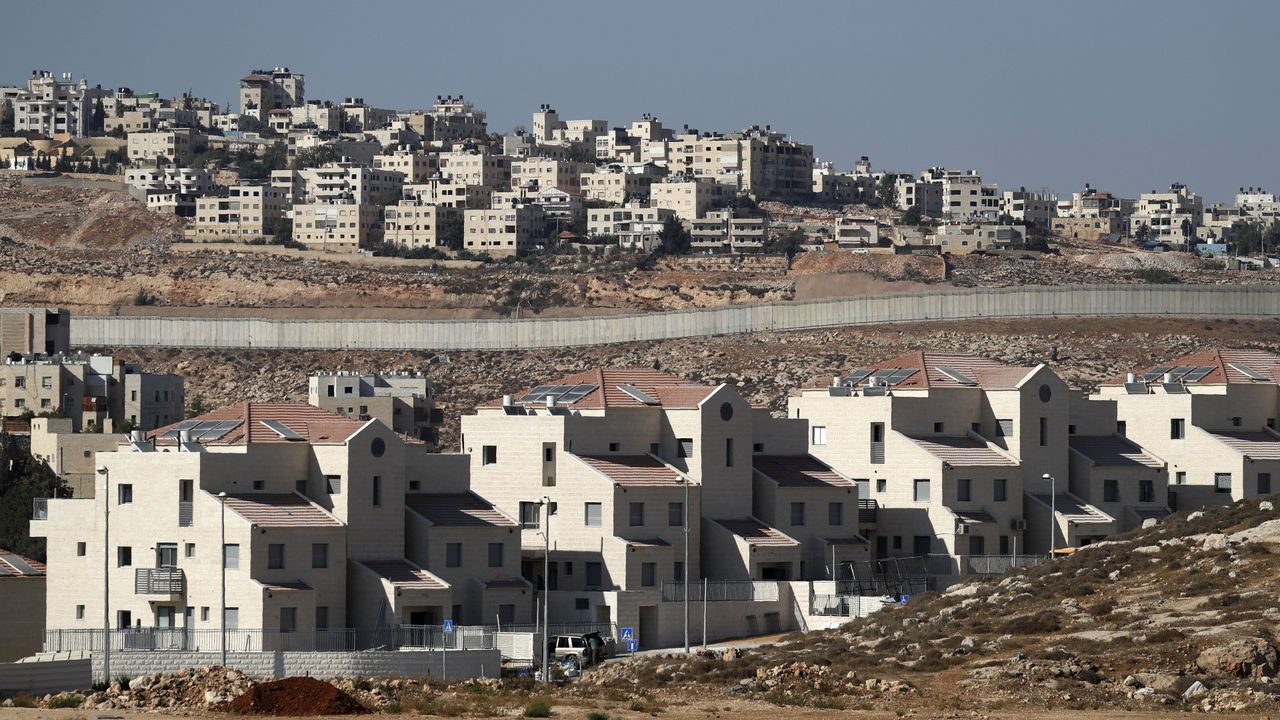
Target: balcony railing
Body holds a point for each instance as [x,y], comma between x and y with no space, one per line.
[867,510]
[846,605]
[40,509]
[159,581]
[1000,564]
[406,637]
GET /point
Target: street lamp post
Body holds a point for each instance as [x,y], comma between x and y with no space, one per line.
[1053,513]
[222,593]
[546,589]
[685,511]
[106,572]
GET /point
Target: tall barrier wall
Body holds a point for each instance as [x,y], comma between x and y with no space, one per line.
[959,304]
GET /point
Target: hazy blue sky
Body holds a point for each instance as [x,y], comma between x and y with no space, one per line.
[1127,95]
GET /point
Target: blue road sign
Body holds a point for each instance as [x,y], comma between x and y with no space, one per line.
[904,598]
[632,646]
[448,626]
[628,633]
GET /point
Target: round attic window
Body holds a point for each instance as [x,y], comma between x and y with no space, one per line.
[1045,393]
[377,447]
[726,411]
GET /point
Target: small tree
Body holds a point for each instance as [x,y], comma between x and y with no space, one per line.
[887,191]
[452,231]
[912,216]
[23,479]
[674,239]
[282,231]
[1143,233]
[196,407]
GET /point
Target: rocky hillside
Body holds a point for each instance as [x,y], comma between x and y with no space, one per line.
[1181,615]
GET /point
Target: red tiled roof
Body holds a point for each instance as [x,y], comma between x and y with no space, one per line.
[1112,451]
[989,374]
[632,470]
[757,533]
[457,510]
[1221,360]
[15,565]
[961,451]
[313,425]
[280,510]
[404,574]
[1256,445]
[798,471]
[669,390]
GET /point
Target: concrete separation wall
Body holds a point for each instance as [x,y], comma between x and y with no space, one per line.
[442,335]
[42,678]
[450,664]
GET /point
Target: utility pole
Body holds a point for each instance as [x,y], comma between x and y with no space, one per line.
[546,589]
[1053,514]
[222,595]
[685,511]
[106,573]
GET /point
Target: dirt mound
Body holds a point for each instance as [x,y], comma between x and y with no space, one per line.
[295,697]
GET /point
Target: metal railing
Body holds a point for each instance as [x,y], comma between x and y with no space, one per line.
[867,510]
[721,591]
[186,516]
[435,637]
[846,605]
[405,637]
[159,581]
[40,509]
[606,629]
[999,564]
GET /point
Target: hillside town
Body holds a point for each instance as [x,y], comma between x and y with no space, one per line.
[347,177]
[315,407]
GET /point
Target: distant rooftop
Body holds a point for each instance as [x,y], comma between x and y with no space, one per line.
[262,423]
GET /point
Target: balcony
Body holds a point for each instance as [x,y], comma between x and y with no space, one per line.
[159,581]
[867,510]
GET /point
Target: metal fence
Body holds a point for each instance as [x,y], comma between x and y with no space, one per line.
[887,576]
[721,591]
[854,606]
[406,637]
[606,629]
[1000,564]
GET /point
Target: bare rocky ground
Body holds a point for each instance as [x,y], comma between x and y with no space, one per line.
[765,366]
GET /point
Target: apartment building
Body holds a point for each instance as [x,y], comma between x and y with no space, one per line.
[925,194]
[358,116]
[449,192]
[1029,208]
[505,231]
[1258,204]
[627,224]
[96,392]
[722,231]
[169,190]
[22,595]
[455,119]
[949,452]
[52,105]
[561,206]
[958,238]
[1171,216]
[416,224]
[688,197]
[238,213]
[71,454]
[757,161]
[858,233]
[549,174]
[30,331]
[262,91]
[315,115]
[1209,416]
[164,147]
[964,195]
[342,181]
[469,167]
[1092,203]
[616,184]
[337,226]
[404,402]
[356,148]
[415,166]
[839,188]
[1095,229]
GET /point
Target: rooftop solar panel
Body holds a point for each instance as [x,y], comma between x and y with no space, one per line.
[1248,371]
[1175,388]
[1135,388]
[1155,373]
[1198,374]
[900,375]
[638,394]
[19,564]
[281,429]
[857,376]
[956,375]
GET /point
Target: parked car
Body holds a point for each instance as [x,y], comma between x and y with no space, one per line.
[585,650]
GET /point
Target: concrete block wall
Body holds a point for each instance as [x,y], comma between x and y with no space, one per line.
[40,678]
[450,664]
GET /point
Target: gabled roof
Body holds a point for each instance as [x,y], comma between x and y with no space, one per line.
[1112,451]
[1072,508]
[633,470]
[1226,367]
[962,451]
[653,542]
[1258,445]
[929,366]
[757,533]
[457,510]
[15,565]
[282,510]
[295,586]
[798,471]
[404,574]
[310,424]
[668,390]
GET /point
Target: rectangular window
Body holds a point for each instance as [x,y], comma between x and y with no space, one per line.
[81,549]
[938,427]
[259,484]
[757,447]
[79,612]
[1177,428]
[231,556]
[377,490]
[728,452]
[881,485]
[495,554]
[1110,491]
[677,571]
[819,435]
[595,574]
[453,555]
[288,619]
[319,555]
[322,617]
[797,514]
[489,455]
[124,619]
[166,555]
[124,494]
[593,512]
[333,483]
[1004,544]
[1180,478]
[1222,482]
[675,514]
[1004,428]
[920,490]
[204,614]
[1235,421]
[124,556]
[1044,432]
[275,556]
[686,447]
[963,487]
[1121,427]
[835,514]
[897,542]
[877,443]
[922,545]
[637,514]
[1146,491]
[300,487]
[1264,483]
[1000,490]
[648,574]
[507,614]
[530,515]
